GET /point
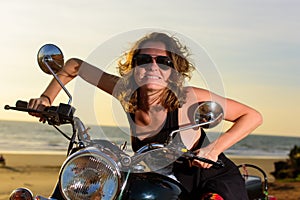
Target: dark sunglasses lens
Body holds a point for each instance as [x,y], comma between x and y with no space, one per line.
[164,62]
[143,59]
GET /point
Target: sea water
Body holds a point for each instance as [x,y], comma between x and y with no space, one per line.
[16,136]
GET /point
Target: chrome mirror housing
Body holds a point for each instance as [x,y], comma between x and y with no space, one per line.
[208,113]
[51,60]
[50,55]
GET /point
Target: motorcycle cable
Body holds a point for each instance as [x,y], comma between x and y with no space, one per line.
[65,135]
[72,139]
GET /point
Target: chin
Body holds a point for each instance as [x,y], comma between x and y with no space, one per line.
[153,86]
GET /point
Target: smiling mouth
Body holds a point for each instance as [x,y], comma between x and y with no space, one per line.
[152,77]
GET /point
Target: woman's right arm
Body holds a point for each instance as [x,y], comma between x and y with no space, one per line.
[72,68]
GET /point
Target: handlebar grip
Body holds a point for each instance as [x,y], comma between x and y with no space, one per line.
[21,104]
[54,115]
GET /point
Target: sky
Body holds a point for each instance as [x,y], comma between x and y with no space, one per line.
[254,44]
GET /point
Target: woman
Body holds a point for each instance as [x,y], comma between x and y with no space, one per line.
[151,91]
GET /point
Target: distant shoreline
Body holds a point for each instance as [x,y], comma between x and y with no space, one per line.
[36,138]
[295,135]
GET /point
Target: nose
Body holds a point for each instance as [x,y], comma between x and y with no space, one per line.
[153,66]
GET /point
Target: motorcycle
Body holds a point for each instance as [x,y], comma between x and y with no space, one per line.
[99,169]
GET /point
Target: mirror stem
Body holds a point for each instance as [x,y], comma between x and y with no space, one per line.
[186,128]
[47,59]
[191,127]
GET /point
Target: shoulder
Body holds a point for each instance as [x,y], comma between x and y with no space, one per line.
[197,94]
[194,89]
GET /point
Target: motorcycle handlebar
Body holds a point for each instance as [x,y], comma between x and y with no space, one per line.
[54,115]
[21,106]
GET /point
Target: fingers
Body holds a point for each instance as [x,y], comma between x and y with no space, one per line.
[204,154]
[37,104]
[200,164]
[43,120]
[32,105]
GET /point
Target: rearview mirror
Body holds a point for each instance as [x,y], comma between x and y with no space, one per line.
[51,60]
[208,113]
[50,55]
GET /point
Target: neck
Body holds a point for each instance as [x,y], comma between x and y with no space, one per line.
[149,100]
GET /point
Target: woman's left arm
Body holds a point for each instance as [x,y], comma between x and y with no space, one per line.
[244,118]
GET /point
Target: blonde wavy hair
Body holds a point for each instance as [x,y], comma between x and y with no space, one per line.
[173,96]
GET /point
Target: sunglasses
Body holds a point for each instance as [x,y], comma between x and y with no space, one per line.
[143,60]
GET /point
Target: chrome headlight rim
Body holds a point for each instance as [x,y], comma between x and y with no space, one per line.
[21,193]
[97,154]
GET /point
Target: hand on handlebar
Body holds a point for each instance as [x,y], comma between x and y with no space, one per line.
[38,104]
[206,154]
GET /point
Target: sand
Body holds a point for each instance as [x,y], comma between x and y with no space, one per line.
[39,172]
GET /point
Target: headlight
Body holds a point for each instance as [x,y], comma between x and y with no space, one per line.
[90,174]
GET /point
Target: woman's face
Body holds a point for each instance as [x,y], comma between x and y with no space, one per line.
[152,75]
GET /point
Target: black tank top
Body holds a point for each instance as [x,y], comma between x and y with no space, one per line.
[192,178]
[171,123]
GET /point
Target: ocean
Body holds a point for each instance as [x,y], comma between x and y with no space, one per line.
[36,137]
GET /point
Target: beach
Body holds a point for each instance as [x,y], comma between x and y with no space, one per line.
[39,172]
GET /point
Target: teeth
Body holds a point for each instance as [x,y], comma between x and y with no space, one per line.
[152,77]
